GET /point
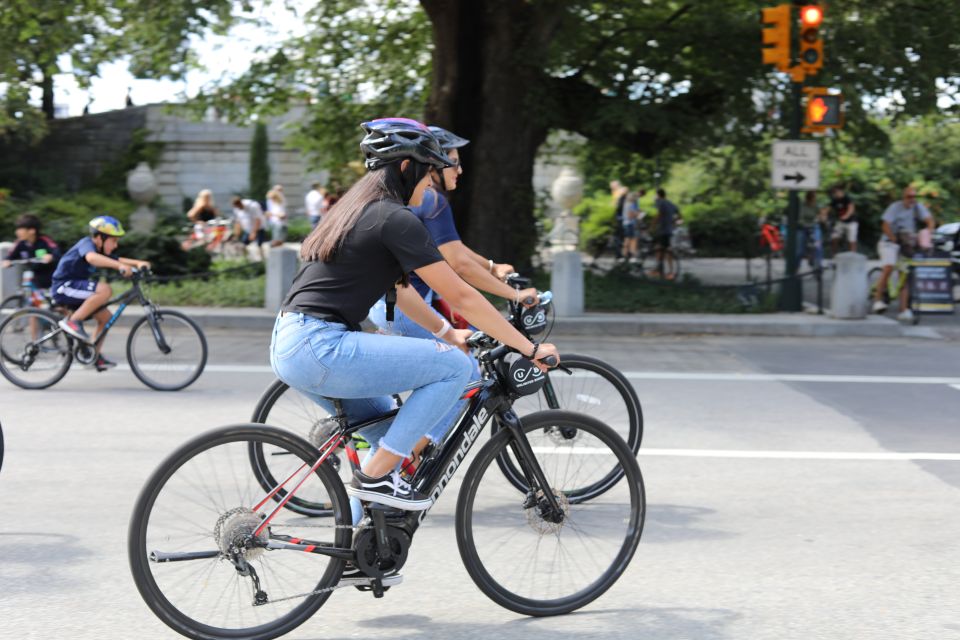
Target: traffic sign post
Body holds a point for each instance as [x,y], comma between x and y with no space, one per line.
[796,165]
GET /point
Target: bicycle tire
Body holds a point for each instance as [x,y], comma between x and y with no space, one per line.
[625,420]
[183,342]
[18,349]
[287,408]
[153,505]
[500,559]
[1,447]
[11,304]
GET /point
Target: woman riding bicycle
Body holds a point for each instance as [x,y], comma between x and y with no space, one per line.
[368,242]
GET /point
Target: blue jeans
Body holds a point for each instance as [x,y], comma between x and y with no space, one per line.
[404,326]
[324,360]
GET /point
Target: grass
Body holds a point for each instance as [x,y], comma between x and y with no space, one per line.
[243,287]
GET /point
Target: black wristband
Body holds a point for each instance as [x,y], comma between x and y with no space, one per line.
[533,355]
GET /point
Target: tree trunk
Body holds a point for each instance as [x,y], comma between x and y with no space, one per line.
[484,74]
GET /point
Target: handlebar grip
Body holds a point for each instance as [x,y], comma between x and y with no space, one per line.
[528,300]
[550,361]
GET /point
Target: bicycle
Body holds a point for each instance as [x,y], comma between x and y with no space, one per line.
[29,294]
[901,276]
[582,384]
[166,350]
[667,268]
[216,555]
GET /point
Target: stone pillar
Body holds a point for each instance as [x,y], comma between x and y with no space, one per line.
[566,278]
[142,187]
[9,277]
[848,300]
[281,267]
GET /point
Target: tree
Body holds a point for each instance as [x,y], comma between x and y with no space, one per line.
[259,182]
[39,36]
[645,78]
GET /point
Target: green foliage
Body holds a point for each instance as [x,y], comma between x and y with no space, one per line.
[64,218]
[164,252]
[723,226]
[298,229]
[237,291]
[259,180]
[597,221]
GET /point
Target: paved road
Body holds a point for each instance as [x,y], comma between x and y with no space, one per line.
[790,483]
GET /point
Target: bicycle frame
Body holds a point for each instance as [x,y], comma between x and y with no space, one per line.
[124,299]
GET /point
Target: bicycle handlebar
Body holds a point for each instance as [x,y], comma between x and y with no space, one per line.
[496,351]
[28,261]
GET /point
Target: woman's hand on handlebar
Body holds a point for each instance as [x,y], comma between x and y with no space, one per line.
[458,338]
[544,351]
[501,271]
[528,297]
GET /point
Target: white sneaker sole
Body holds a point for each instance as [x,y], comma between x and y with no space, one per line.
[390,501]
[67,330]
[364,581]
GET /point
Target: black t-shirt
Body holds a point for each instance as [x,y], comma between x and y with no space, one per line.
[840,206]
[386,242]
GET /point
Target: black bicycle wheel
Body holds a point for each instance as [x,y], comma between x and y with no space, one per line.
[287,408]
[594,388]
[527,559]
[1,446]
[167,351]
[11,304]
[194,550]
[34,351]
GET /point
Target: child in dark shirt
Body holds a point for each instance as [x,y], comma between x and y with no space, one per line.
[32,245]
[75,285]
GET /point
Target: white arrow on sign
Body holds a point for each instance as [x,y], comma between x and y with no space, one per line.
[796,165]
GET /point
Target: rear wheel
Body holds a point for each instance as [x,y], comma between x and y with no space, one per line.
[11,304]
[194,550]
[526,556]
[34,352]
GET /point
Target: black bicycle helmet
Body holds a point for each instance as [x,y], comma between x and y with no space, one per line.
[447,139]
[390,139]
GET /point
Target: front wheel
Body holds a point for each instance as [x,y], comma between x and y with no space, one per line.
[166,350]
[34,352]
[527,556]
[195,552]
[11,304]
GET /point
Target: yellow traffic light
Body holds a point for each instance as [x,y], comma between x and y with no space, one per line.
[811,45]
[776,38]
[824,110]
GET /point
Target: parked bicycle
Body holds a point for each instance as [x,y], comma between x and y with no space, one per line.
[214,554]
[29,294]
[902,277]
[582,384]
[166,350]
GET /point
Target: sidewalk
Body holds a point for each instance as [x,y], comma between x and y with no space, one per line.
[650,324]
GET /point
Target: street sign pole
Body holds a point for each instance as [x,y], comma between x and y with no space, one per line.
[791,294]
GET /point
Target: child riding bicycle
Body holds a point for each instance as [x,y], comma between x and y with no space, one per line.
[32,245]
[75,286]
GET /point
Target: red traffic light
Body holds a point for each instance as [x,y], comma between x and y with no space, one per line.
[817,110]
[811,15]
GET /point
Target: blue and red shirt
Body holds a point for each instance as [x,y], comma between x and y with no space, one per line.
[74,266]
[42,273]
[437,216]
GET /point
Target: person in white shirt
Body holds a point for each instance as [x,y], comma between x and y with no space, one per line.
[277,216]
[248,223]
[314,203]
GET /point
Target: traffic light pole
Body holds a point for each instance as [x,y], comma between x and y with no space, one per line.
[791,294]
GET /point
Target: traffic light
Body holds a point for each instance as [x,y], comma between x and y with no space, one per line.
[777,36]
[811,45]
[824,110]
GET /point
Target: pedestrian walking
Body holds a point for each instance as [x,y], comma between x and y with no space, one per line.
[277,216]
[619,194]
[314,203]
[668,215]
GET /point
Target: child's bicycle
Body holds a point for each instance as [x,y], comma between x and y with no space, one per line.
[215,553]
[29,294]
[166,350]
[901,276]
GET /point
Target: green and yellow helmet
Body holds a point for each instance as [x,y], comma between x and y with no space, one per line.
[106,225]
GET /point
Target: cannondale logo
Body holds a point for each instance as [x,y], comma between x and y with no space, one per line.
[527,374]
[531,320]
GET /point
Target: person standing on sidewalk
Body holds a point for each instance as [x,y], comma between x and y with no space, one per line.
[619,194]
[845,226]
[900,222]
[314,203]
[277,216]
[668,214]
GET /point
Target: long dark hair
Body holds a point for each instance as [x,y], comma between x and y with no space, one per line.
[384,183]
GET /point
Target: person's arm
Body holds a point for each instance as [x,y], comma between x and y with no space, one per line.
[415,308]
[131,262]
[463,261]
[888,231]
[475,308]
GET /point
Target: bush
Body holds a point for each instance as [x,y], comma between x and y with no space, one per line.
[721,227]
[165,253]
[298,229]
[65,217]
[597,221]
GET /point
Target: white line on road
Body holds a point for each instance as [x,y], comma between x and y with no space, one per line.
[705,376]
[884,456]
[956,386]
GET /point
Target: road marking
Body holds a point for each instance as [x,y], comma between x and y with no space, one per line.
[883,456]
[685,376]
[956,386]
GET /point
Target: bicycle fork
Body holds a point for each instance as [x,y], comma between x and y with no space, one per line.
[548,504]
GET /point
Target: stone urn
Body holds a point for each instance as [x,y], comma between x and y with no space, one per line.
[142,187]
[566,191]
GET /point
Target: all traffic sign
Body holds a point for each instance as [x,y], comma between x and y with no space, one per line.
[796,165]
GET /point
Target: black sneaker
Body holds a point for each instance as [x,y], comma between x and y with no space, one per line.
[353,577]
[75,329]
[102,364]
[391,490]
